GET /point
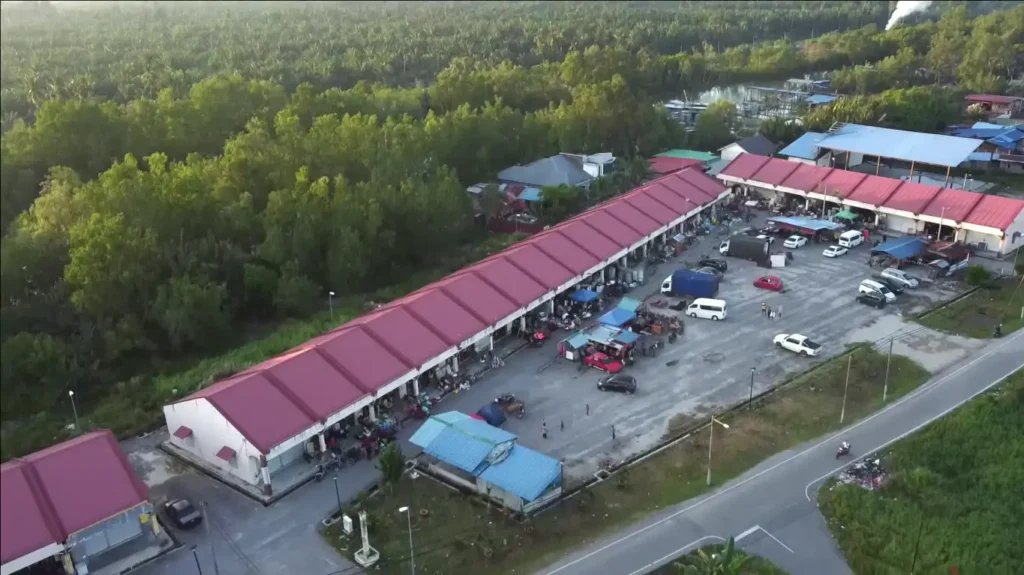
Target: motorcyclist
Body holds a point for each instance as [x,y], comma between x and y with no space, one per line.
[844,448]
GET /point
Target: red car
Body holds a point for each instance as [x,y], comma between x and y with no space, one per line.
[603,362]
[772,283]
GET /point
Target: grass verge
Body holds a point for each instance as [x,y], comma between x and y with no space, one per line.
[457,533]
[977,314]
[753,566]
[952,499]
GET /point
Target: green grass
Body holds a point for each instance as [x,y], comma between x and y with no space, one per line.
[468,537]
[133,406]
[754,566]
[954,495]
[977,314]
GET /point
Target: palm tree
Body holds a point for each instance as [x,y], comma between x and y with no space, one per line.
[728,562]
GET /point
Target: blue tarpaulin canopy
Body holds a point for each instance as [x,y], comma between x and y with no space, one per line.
[902,248]
[617,317]
[627,337]
[583,295]
[531,195]
[577,341]
[628,304]
[806,223]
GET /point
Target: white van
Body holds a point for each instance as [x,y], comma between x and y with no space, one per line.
[868,286]
[851,239]
[705,308]
[900,277]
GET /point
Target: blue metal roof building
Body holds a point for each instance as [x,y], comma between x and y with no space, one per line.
[932,149]
[805,147]
[525,473]
[460,440]
[806,223]
[902,248]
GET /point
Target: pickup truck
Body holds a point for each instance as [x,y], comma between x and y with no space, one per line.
[797,343]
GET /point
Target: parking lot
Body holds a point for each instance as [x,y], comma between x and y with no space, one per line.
[710,365]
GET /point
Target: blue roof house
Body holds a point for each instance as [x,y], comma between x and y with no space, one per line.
[474,456]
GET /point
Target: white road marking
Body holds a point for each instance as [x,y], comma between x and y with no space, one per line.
[721,492]
[906,433]
[746,533]
[776,539]
[675,553]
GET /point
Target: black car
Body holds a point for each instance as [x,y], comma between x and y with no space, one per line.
[182,513]
[894,287]
[720,265]
[873,299]
[621,383]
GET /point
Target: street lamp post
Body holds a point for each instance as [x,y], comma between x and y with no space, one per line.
[412,553]
[750,401]
[330,303]
[196,556]
[337,493]
[711,436]
[849,364]
[942,216]
[71,394]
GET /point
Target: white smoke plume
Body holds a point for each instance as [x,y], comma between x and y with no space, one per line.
[904,9]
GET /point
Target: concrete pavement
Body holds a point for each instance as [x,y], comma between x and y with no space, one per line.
[771,509]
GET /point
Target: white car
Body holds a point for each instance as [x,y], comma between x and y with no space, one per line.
[834,251]
[766,238]
[794,241]
[797,343]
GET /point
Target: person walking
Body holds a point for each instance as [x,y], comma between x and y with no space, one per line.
[764,308]
[778,312]
[544,429]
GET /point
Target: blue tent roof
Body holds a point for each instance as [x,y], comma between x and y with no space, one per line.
[804,147]
[806,223]
[628,304]
[524,473]
[902,248]
[577,341]
[626,337]
[583,295]
[616,317]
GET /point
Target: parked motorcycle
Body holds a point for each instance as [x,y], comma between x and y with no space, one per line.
[320,472]
[538,338]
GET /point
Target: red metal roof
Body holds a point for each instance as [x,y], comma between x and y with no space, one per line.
[775,171]
[225,453]
[182,432]
[839,183]
[952,204]
[806,177]
[273,401]
[669,165]
[874,190]
[744,166]
[51,494]
[995,212]
[912,197]
[991,98]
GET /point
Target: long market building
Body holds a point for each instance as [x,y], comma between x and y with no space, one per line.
[987,222]
[257,423]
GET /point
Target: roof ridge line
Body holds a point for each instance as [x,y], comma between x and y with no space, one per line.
[621,221]
[291,395]
[599,231]
[336,366]
[579,245]
[368,330]
[462,304]
[429,327]
[525,272]
[554,259]
[41,495]
[493,286]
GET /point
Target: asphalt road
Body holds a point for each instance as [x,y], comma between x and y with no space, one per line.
[771,510]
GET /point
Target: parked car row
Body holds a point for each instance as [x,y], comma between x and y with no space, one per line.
[882,289]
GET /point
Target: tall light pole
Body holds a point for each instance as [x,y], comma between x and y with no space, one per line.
[942,216]
[196,556]
[412,553]
[213,548]
[849,363]
[888,362]
[71,394]
[330,303]
[750,401]
[711,436]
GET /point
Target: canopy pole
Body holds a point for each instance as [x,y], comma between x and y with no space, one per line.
[911,177]
[878,165]
[948,168]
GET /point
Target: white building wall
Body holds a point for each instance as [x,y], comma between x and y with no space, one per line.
[901,224]
[210,432]
[982,240]
[855,159]
[1017,227]
[730,152]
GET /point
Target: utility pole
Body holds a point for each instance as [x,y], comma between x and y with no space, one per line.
[213,547]
[750,402]
[849,363]
[888,362]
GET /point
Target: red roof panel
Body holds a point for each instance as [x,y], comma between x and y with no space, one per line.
[538,266]
[182,432]
[775,171]
[630,216]
[562,250]
[806,177]
[413,340]
[367,361]
[744,166]
[582,234]
[320,387]
[520,288]
[445,315]
[676,202]
[840,183]
[874,190]
[260,411]
[27,520]
[617,231]
[912,197]
[699,181]
[952,205]
[669,165]
[226,453]
[482,300]
[650,208]
[995,212]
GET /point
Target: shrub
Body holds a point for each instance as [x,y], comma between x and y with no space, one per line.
[977,275]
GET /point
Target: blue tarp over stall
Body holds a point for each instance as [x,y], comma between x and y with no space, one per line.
[806,223]
[583,295]
[524,473]
[628,304]
[616,317]
[626,337]
[577,340]
[902,248]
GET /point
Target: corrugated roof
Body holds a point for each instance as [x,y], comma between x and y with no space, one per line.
[434,425]
[554,171]
[912,197]
[744,166]
[373,351]
[902,248]
[952,204]
[933,149]
[805,147]
[524,473]
[667,164]
[995,212]
[806,177]
[839,183]
[688,154]
[53,493]
[775,171]
[756,144]
[874,190]
[462,442]
[993,98]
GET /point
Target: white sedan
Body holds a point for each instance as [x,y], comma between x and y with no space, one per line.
[834,251]
[795,241]
[797,343]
